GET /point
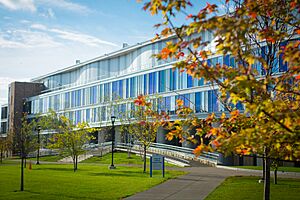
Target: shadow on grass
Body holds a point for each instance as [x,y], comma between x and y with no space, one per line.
[120,173]
[58,169]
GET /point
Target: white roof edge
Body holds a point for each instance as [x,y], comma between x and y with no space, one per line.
[112,54]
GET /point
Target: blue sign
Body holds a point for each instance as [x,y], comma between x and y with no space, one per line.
[157,162]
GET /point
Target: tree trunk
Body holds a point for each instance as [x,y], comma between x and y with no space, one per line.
[275,176]
[145,158]
[264,168]
[267,175]
[76,162]
[1,156]
[22,173]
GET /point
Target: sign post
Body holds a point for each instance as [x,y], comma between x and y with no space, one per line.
[157,162]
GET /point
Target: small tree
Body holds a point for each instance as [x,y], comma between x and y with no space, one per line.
[3,148]
[70,139]
[146,121]
[26,143]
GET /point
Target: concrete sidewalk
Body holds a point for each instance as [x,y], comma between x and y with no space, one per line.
[193,186]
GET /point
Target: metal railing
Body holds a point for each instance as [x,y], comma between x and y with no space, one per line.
[176,151]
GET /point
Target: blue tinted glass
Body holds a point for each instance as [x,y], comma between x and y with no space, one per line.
[161,81]
[175,75]
[151,83]
[114,90]
[106,92]
[145,84]
[189,81]
[227,60]
[208,62]
[214,101]
[239,106]
[83,97]
[88,115]
[121,88]
[127,88]
[171,79]
[209,101]
[282,65]
[73,99]
[186,100]
[67,100]
[168,103]
[198,102]
[201,82]
[232,62]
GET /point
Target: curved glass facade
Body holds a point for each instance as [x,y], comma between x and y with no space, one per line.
[85,92]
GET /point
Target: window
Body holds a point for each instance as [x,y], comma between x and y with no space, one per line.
[161,81]
[133,87]
[198,107]
[67,99]
[189,81]
[77,116]
[56,102]
[107,92]
[88,115]
[152,83]
[93,95]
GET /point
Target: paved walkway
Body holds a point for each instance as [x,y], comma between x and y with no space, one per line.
[195,185]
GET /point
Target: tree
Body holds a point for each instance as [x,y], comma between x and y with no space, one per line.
[70,139]
[26,143]
[146,121]
[3,147]
[261,37]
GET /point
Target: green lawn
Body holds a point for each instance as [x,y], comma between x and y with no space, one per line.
[58,181]
[236,188]
[48,158]
[119,158]
[285,169]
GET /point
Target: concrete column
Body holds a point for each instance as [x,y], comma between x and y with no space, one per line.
[228,160]
[103,135]
[118,135]
[189,144]
[161,135]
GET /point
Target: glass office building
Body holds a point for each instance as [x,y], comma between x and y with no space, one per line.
[84,92]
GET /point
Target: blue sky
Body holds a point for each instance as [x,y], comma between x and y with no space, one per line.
[40,36]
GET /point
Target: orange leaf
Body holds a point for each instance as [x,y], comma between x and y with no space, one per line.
[293,4]
[216,143]
[179,102]
[198,150]
[253,15]
[165,52]
[169,136]
[235,113]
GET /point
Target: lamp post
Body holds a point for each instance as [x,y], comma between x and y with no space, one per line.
[39,145]
[113,118]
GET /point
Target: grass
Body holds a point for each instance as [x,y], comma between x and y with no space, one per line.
[119,158]
[285,169]
[236,188]
[58,181]
[48,158]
